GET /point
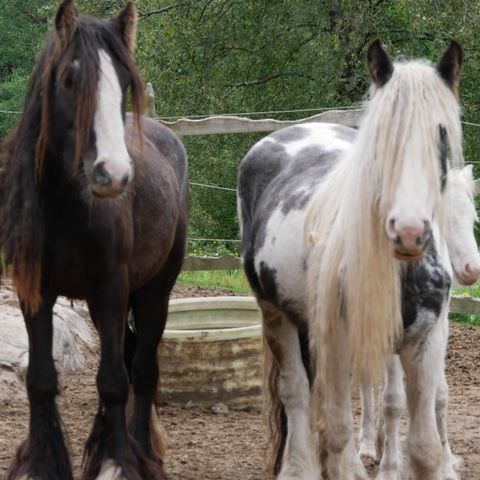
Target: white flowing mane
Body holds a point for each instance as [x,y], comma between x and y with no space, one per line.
[352,273]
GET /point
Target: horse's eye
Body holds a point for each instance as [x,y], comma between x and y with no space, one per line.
[70,73]
[68,82]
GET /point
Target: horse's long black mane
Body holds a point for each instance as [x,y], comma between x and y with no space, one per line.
[74,67]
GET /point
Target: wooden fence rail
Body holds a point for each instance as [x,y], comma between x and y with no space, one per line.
[233,124]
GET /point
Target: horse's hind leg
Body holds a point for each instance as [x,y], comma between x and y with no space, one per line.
[289,403]
[368,429]
[44,454]
[150,308]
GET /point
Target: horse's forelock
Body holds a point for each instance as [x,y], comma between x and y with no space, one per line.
[90,36]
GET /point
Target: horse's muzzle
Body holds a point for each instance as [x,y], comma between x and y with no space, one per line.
[108,182]
[410,237]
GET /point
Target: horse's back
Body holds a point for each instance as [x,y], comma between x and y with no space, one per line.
[277,179]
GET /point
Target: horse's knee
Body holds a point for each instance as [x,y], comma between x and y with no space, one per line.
[441,401]
[338,432]
[294,391]
[393,405]
[42,382]
[112,384]
[425,454]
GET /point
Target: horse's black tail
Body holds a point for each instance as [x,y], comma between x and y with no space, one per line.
[277,419]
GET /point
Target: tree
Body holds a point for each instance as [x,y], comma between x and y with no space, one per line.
[225,56]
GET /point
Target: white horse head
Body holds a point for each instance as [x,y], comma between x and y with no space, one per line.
[460,217]
[413,122]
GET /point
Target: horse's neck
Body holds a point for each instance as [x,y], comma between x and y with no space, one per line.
[327,200]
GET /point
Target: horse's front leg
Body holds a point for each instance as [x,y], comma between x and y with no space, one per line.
[393,406]
[332,410]
[450,462]
[423,362]
[43,455]
[109,452]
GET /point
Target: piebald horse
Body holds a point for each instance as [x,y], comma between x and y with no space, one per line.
[328,240]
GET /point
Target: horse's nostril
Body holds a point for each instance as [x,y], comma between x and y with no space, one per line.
[101,175]
[427,234]
[125,180]
[391,228]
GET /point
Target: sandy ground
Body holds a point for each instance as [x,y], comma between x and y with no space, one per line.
[231,446]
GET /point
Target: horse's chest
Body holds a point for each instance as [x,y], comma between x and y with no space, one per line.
[425,290]
[80,246]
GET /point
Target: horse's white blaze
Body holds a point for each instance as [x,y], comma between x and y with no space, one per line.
[110,471]
[413,204]
[108,123]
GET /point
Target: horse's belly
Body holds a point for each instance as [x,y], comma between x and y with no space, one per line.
[279,261]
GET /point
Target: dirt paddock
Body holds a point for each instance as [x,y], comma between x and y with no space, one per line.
[231,446]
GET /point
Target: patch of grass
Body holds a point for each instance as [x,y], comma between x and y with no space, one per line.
[472,291]
[219,279]
[473,320]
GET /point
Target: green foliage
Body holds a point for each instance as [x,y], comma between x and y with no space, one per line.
[22,31]
[221,280]
[225,56]
[472,291]
[473,320]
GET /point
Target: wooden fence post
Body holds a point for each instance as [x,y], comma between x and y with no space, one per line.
[150,93]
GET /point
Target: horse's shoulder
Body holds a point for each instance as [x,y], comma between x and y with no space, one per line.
[159,146]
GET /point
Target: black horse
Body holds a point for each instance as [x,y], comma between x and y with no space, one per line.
[93,206]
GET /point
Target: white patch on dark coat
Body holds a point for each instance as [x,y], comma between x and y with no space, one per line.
[322,136]
[283,245]
[108,122]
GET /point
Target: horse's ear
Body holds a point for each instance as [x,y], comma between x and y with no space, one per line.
[468,172]
[379,65]
[450,64]
[126,21]
[65,21]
